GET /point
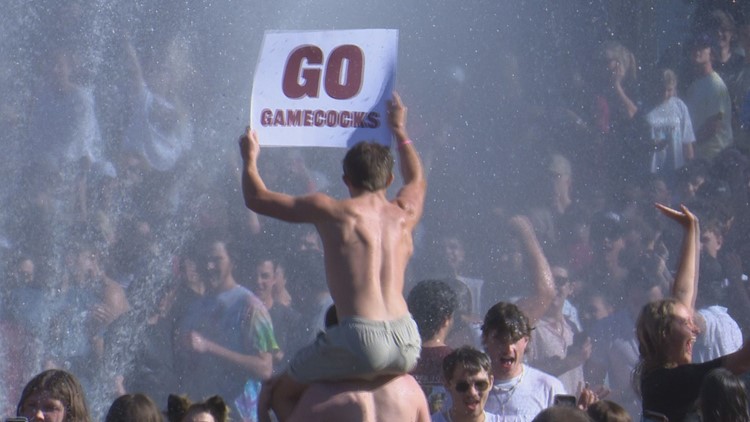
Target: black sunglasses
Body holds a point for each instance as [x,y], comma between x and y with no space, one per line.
[463,386]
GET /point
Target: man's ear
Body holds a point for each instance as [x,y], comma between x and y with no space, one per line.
[345,178]
[448,321]
[391,177]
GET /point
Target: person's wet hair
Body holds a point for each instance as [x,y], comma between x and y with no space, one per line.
[506,320]
[431,303]
[368,166]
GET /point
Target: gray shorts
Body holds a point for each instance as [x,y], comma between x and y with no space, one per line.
[358,348]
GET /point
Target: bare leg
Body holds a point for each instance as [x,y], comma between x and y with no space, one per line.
[282,394]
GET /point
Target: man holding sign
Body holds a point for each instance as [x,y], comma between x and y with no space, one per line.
[367,242]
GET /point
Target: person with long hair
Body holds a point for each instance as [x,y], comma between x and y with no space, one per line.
[134,407]
[723,398]
[668,381]
[53,396]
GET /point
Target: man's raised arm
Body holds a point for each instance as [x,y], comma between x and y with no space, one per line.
[305,209]
[412,194]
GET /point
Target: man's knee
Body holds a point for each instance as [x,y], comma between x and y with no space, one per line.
[284,395]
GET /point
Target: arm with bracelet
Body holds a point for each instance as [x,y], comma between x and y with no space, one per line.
[411,196]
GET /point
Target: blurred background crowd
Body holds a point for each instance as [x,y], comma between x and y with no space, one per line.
[122,196]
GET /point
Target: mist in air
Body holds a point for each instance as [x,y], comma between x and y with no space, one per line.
[493,87]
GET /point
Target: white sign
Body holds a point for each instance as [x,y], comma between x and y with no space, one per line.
[324,88]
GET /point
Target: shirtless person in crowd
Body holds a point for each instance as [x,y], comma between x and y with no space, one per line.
[367,243]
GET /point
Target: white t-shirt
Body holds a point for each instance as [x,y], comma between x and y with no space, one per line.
[670,122]
[534,391]
[706,97]
[722,336]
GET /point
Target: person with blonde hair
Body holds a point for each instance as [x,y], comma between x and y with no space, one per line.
[667,379]
[623,147]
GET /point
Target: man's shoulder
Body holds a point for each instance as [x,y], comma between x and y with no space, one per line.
[365,208]
[240,295]
[344,208]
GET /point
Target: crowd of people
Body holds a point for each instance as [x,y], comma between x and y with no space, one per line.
[132,292]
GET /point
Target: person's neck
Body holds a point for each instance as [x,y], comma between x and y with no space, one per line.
[226,284]
[364,193]
[267,300]
[555,312]
[705,69]
[562,202]
[516,374]
[725,55]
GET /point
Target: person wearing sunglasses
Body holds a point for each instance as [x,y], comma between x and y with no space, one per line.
[468,379]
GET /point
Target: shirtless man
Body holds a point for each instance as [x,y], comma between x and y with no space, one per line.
[367,243]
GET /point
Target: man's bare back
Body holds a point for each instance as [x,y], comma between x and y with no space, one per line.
[366,251]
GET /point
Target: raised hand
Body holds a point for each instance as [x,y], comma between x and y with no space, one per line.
[682,216]
[249,145]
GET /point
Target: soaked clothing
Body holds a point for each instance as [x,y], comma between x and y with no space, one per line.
[358,348]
